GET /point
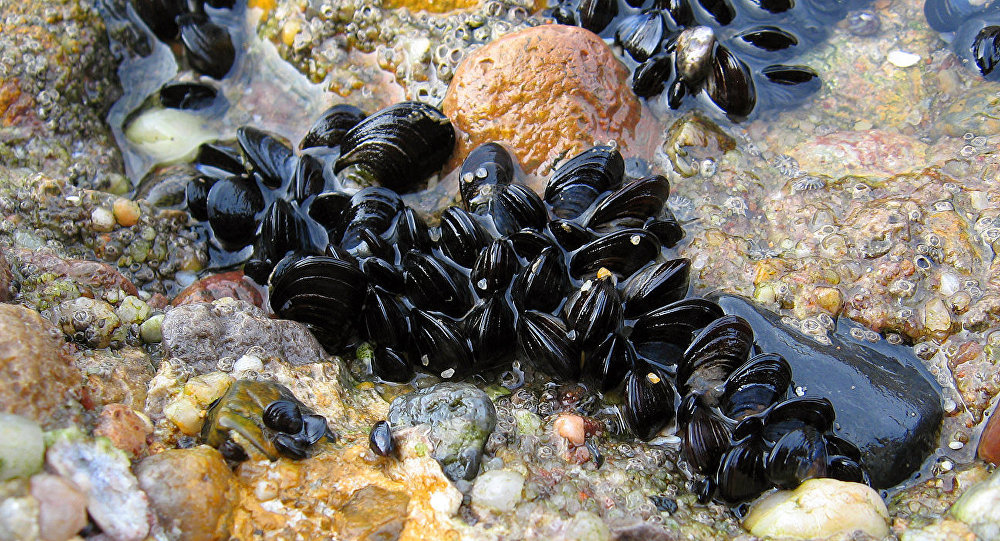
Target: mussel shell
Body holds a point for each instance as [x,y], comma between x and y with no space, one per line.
[529,244]
[790,84]
[607,365]
[380,439]
[679,12]
[622,252]
[947,15]
[186,95]
[742,472]
[986,51]
[774,6]
[281,230]
[730,85]
[720,10]
[797,412]
[400,145]
[666,228]
[233,452]
[196,194]
[491,329]
[433,285]
[578,182]
[766,40]
[330,128]
[847,469]
[632,204]
[656,285]
[383,274]
[669,329]
[218,160]
[411,231]
[208,46]
[385,320]
[544,341]
[441,346]
[797,456]
[595,311]
[516,207]
[715,353]
[283,416]
[541,283]
[487,167]
[649,77]
[648,401]
[495,268]
[569,234]
[290,446]
[757,385]
[266,154]
[372,209]
[314,428]
[640,35]
[706,439]
[390,364]
[232,208]
[160,16]
[307,178]
[330,210]
[595,15]
[462,237]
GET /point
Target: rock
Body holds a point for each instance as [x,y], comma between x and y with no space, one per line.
[151,330]
[819,508]
[989,440]
[192,491]
[498,490]
[979,508]
[546,93]
[586,526]
[126,429]
[640,530]
[92,275]
[18,512]
[115,376]
[102,473]
[217,286]
[62,508]
[90,321]
[22,449]
[871,153]
[37,377]
[5,278]
[126,212]
[886,403]
[201,334]
[373,512]
[460,416]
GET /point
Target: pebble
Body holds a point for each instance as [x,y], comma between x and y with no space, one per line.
[126,429]
[461,418]
[18,512]
[40,380]
[544,92]
[247,363]
[132,309]
[989,440]
[102,472]
[151,330]
[91,321]
[22,449]
[62,508]
[192,491]
[979,508]
[819,508]
[102,219]
[902,59]
[498,490]
[126,212]
[571,427]
[5,277]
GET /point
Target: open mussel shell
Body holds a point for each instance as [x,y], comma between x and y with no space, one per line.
[267,155]
[495,267]
[544,341]
[441,346]
[371,209]
[742,471]
[208,46]
[542,283]
[283,416]
[761,382]
[730,84]
[595,311]
[232,207]
[798,455]
[649,78]
[715,353]
[665,332]
[487,167]
[607,365]
[622,252]
[399,146]
[391,364]
[462,237]
[648,401]
[492,330]
[160,16]
[632,204]
[187,95]
[595,15]
[433,285]
[578,182]
[640,35]
[706,439]
[515,207]
[656,285]
[322,291]
[332,125]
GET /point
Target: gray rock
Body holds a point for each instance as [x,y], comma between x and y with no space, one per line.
[461,418]
[979,507]
[201,333]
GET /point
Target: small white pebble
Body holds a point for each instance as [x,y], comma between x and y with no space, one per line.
[102,219]
[956,445]
[947,465]
[903,59]
[448,373]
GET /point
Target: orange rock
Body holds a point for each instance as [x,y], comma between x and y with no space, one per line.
[547,93]
[227,284]
[989,442]
[126,429]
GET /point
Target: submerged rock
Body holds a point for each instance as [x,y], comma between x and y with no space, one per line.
[819,508]
[461,418]
[886,403]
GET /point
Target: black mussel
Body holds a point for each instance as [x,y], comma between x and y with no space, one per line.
[797,412]
[391,364]
[797,456]
[433,285]
[399,146]
[184,95]
[666,228]
[648,401]
[281,230]
[196,194]
[544,341]
[329,129]
[307,179]
[283,416]
[542,283]
[233,451]
[578,182]
[290,446]
[730,85]
[594,312]
[759,383]
[516,207]
[632,204]
[742,471]
[380,439]
[706,439]
[529,244]
[846,469]
[791,84]
[564,13]
[774,6]
[330,210]
[208,46]
[607,365]
[385,320]
[948,15]
[371,244]
[486,168]
[649,77]
[383,274]
[314,428]
[986,52]
[495,268]
[570,234]
[412,232]
[325,292]
[640,35]
[714,354]
[218,160]
[595,15]
[622,252]
[160,15]
[765,40]
[679,11]
[656,285]
[232,207]
[721,10]
[665,332]
[267,155]
[462,237]
[491,329]
[372,209]
[441,346]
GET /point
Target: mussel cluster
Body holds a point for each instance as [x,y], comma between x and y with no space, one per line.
[973,28]
[738,51]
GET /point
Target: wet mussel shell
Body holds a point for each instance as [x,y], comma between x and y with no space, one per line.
[232,208]
[380,439]
[332,125]
[209,48]
[267,155]
[187,95]
[648,402]
[578,182]
[283,416]
[487,168]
